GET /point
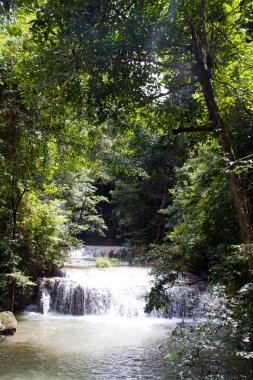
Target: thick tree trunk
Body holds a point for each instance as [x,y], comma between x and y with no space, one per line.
[236,185]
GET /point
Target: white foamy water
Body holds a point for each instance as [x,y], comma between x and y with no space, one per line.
[93,251]
[113,291]
[85,256]
[120,291]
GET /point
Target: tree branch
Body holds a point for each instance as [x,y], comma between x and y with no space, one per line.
[231,164]
[165,65]
[165,44]
[231,12]
[225,84]
[203,129]
[172,90]
[226,37]
[196,281]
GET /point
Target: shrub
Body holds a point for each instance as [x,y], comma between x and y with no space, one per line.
[105,262]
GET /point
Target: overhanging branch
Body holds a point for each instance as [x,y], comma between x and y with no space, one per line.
[242,159]
[202,128]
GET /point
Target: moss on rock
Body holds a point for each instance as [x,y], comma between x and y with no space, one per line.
[8,322]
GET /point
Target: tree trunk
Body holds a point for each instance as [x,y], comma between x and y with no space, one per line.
[235,181]
[15,208]
[12,296]
[14,221]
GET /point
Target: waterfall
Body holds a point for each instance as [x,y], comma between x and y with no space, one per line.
[184,302]
[85,256]
[114,291]
[44,300]
[93,251]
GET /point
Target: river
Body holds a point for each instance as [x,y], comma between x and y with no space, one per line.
[53,346]
[93,327]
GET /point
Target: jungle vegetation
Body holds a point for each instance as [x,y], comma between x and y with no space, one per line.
[148,99]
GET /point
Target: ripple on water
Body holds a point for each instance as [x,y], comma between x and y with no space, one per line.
[89,348]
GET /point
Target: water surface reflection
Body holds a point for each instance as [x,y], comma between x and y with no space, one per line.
[89,348]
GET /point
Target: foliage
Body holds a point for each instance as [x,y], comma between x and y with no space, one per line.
[77,191]
[158,297]
[143,171]
[105,262]
[243,316]
[233,273]
[18,284]
[76,74]
[15,283]
[135,209]
[44,184]
[173,66]
[125,53]
[205,349]
[201,223]
[19,279]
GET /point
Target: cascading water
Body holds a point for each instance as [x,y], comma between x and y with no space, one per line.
[44,300]
[93,251]
[114,291]
[85,256]
[109,336]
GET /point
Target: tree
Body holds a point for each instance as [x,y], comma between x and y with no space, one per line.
[141,51]
[201,221]
[142,168]
[144,53]
[37,217]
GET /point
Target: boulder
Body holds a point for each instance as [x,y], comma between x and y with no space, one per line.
[8,323]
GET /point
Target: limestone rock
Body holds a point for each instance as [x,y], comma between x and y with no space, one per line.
[8,323]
